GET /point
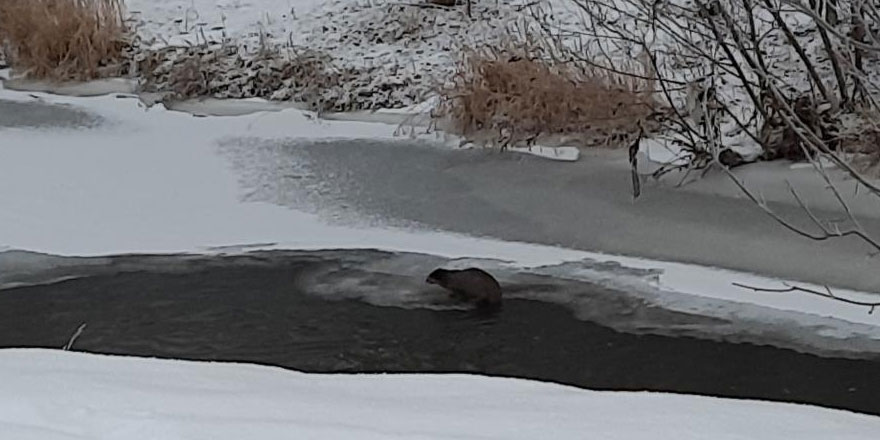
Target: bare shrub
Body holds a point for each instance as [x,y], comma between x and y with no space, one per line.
[63,39]
[230,71]
[780,78]
[513,96]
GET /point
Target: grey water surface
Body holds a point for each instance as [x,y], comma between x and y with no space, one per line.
[14,114]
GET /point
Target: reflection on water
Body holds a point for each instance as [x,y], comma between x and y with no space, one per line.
[258,312]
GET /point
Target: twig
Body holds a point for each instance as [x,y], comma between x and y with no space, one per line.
[73,338]
[826,294]
[634,164]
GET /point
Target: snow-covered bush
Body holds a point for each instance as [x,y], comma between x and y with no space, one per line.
[229,71]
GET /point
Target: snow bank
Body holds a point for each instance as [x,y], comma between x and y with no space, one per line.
[48,395]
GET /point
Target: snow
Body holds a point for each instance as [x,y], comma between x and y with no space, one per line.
[186,22]
[48,395]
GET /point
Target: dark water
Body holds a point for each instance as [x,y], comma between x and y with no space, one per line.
[257,314]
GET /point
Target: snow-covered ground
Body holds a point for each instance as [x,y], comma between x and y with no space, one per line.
[188,21]
[48,395]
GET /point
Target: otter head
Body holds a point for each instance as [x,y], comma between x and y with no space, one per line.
[437,277]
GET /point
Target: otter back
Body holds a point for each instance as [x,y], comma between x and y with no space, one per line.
[471,284]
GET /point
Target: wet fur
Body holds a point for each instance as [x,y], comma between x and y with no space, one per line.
[469,285]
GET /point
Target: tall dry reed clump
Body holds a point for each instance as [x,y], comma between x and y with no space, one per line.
[512,96]
[63,39]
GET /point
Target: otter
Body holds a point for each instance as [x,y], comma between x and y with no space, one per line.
[470,284]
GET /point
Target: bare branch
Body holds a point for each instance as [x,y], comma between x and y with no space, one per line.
[74,337]
[826,294]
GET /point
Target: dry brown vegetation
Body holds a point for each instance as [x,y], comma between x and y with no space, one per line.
[229,71]
[509,97]
[63,39]
[860,141]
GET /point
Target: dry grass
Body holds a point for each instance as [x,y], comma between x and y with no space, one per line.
[511,97]
[63,39]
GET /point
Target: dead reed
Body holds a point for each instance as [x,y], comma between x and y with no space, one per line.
[63,39]
[512,96]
